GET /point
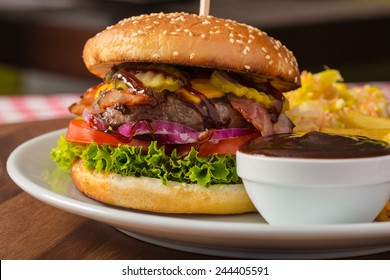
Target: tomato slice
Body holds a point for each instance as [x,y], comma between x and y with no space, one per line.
[226,146]
[79,131]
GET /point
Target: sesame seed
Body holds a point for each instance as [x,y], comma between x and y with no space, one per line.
[289,71]
[206,22]
[270,62]
[192,55]
[165,32]
[267,57]
[247,67]
[231,35]
[135,21]
[156,22]
[134,34]
[240,35]
[155,55]
[148,27]
[239,41]
[231,40]
[173,33]
[191,34]
[249,41]
[251,36]
[203,36]
[264,49]
[175,53]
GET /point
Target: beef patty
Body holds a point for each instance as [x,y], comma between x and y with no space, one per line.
[172,108]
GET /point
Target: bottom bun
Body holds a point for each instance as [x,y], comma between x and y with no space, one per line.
[150,194]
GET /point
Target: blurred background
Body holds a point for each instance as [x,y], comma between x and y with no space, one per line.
[41,41]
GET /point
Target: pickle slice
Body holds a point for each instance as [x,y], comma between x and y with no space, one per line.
[159,81]
[222,81]
[159,77]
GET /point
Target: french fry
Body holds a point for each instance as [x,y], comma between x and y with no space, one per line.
[355,119]
[374,133]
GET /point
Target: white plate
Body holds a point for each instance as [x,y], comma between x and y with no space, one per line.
[237,236]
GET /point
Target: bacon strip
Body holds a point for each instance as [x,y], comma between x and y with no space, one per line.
[115,96]
[110,98]
[85,102]
[257,114]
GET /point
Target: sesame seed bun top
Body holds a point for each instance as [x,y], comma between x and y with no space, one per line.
[192,40]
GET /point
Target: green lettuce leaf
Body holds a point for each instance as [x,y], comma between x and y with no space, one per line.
[156,163]
[66,152]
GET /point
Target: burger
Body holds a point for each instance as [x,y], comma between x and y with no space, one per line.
[179,94]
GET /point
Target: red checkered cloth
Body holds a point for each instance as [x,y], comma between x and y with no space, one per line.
[35,107]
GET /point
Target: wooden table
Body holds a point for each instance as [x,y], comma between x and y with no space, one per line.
[30,229]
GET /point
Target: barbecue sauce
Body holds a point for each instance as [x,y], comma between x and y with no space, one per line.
[316,145]
[205,108]
[135,85]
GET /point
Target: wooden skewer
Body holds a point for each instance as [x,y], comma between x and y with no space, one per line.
[204,8]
